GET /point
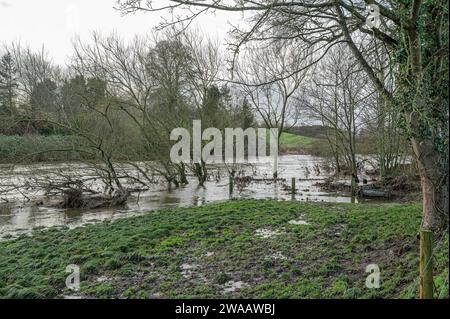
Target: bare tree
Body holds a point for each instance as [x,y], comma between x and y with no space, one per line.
[340,98]
[270,79]
[33,68]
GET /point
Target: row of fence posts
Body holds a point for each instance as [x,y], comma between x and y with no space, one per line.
[426,252]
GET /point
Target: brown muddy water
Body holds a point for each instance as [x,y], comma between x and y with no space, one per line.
[25,211]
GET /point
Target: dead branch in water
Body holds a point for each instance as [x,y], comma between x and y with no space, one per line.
[75,198]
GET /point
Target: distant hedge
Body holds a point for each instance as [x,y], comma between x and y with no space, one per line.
[36,148]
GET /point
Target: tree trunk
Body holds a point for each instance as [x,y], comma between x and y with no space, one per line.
[434,180]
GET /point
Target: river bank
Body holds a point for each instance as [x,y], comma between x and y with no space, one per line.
[56,148]
[245,248]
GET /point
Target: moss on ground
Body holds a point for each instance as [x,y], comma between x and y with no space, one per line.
[213,251]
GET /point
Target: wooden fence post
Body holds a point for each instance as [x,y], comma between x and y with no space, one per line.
[293,186]
[426,265]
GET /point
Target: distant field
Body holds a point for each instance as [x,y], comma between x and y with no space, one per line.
[318,146]
[297,143]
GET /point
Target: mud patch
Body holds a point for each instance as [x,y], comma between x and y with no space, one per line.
[193,272]
[188,270]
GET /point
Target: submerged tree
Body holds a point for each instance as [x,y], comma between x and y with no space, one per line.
[413,33]
[339,99]
[270,78]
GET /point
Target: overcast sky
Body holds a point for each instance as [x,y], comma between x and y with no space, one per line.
[55,22]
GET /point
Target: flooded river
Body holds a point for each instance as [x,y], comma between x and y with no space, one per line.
[20,216]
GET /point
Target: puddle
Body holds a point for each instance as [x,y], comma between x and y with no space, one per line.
[298,222]
[233,286]
[72,297]
[277,256]
[102,279]
[187,270]
[266,233]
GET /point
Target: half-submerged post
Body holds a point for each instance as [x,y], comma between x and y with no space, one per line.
[426,265]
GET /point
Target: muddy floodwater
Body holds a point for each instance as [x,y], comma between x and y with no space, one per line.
[21,216]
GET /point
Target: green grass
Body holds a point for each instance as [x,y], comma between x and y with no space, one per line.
[195,252]
[296,143]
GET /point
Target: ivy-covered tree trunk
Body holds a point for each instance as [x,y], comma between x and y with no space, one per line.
[434,180]
[425,101]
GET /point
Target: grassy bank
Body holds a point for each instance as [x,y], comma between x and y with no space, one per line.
[291,143]
[319,145]
[249,249]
